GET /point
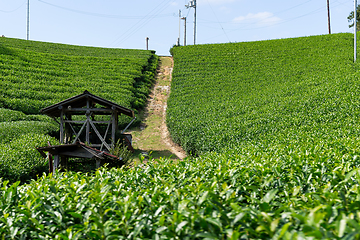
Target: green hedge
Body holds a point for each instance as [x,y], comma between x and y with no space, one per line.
[19,159]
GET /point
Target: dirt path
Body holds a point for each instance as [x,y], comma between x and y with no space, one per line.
[152,135]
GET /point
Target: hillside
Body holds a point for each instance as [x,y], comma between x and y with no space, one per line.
[34,75]
[46,73]
[285,91]
[275,126]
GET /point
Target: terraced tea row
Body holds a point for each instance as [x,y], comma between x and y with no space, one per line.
[225,95]
[34,75]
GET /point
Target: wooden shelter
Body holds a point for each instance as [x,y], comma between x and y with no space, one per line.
[61,153]
[78,125]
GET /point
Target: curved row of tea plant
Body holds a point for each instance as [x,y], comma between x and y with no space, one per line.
[223,95]
[34,75]
[19,135]
[32,79]
[283,192]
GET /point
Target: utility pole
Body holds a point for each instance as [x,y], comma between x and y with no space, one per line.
[184,18]
[328,9]
[193,5]
[28,20]
[147,43]
[178,41]
[355,18]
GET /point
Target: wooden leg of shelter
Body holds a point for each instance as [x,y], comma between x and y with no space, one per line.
[98,162]
[67,164]
[63,162]
[56,163]
[50,157]
[50,162]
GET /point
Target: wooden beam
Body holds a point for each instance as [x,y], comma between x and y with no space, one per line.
[87,139]
[50,162]
[114,127]
[63,162]
[62,134]
[56,163]
[106,132]
[78,134]
[98,134]
[79,153]
[68,129]
[107,110]
[98,122]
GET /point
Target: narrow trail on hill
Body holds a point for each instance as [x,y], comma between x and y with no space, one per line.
[153,135]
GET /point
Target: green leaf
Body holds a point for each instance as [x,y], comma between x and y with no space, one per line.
[180,226]
[269,195]
[203,197]
[158,211]
[238,217]
[161,229]
[207,235]
[284,229]
[342,227]
[214,221]
[296,190]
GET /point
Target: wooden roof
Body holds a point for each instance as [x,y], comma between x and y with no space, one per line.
[80,101]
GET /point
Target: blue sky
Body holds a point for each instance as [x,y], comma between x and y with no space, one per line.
[126,24]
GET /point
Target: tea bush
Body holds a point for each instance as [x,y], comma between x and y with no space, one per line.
[223,95]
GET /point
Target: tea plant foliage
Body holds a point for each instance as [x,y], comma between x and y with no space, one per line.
[224,95]
[34,75]
[257,193]
[275,125]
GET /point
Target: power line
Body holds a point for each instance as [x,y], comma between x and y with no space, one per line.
[142,22]
[4,11]
[218,21]
[101,14]
[283,21]
[337,3]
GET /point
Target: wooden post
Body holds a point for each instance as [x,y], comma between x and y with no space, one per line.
[114,127]
[87,139]
[66,163]
[62,137]
[63,162]
[50,162]
[68,133]
[98,162]
[56,163]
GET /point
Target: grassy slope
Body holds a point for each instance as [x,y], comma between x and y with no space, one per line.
[225,95]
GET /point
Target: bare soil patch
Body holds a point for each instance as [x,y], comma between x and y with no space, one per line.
[153,135]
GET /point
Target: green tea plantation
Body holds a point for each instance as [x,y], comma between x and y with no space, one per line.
[34,75]
[274,133]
